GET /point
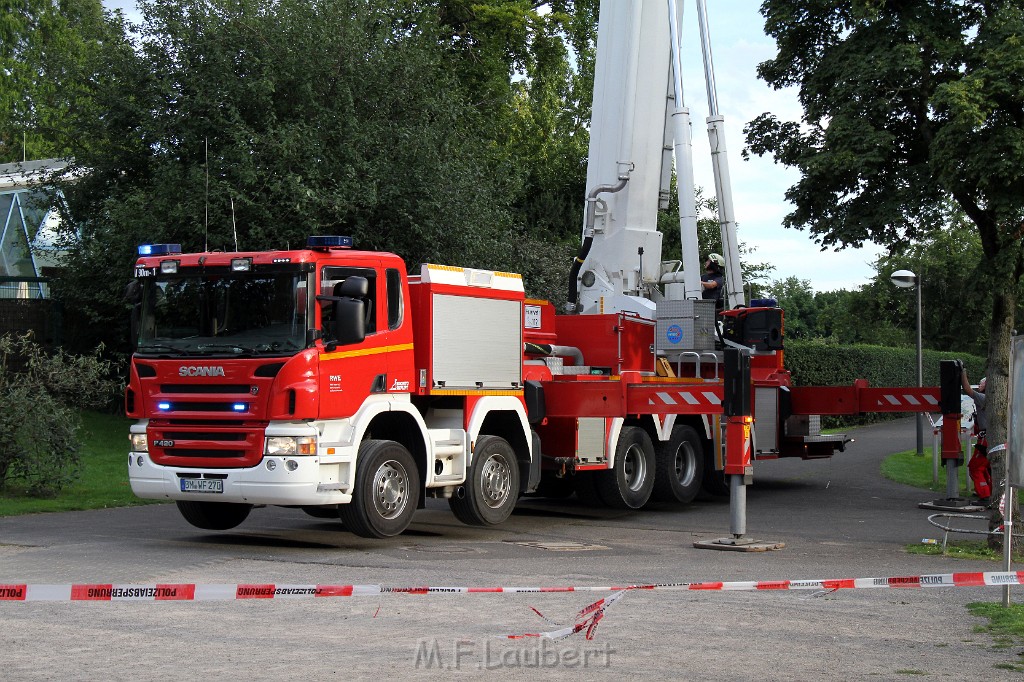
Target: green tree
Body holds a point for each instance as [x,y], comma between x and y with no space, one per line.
[32,101]
[273,120]
[956,302]
[907,105]
[796,297]
[709,237]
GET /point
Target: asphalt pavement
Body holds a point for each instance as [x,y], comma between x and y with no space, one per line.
[838,519]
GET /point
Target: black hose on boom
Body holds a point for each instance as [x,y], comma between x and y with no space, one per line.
[573,297]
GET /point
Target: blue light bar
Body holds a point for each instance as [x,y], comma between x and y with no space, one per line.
[159,249]
[239,407]
[163,406]
[329,242]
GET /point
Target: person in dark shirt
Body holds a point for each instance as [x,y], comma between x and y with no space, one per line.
[712,282]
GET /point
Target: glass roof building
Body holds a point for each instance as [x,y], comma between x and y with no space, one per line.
[28,227]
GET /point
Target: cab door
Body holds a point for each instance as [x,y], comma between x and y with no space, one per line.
[350,373]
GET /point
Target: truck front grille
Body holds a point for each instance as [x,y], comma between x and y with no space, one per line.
[203,389]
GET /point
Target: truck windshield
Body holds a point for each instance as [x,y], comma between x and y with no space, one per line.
[240,313]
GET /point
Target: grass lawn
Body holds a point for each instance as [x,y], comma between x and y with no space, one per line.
[103,480]
[906,467]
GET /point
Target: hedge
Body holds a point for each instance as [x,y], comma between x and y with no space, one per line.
[820,363]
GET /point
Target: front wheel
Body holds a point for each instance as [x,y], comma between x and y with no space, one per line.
[492,484]
[386,493]
[214,515]
[628,485]
[680,466]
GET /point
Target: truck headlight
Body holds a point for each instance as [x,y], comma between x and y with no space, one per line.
[290,445]
[139,441]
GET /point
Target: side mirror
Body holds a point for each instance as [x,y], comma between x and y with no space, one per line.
[133,297]
[349,321]
[136,322]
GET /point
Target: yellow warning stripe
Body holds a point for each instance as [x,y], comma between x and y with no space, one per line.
[365,351]
[455,391]
[455,268]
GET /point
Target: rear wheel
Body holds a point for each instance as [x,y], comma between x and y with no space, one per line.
[492,484]
[680,466]
[386,493]
[214,515]
[628,485]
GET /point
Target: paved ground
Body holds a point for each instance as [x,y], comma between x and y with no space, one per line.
[838,518]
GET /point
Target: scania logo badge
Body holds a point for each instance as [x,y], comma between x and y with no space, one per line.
[196,371]
[254,390]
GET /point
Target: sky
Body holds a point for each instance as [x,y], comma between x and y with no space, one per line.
[758,185]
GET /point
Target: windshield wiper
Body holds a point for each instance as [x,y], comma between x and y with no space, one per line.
[161,347]
[227,346]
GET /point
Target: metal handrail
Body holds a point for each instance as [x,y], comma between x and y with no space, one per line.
[976,517]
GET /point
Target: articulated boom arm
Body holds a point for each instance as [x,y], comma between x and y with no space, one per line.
[639,120]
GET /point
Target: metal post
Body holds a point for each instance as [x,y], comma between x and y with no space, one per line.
[920,373]
[1007,528]
[952,480]
[737,506]
[949,440]
[936,445]
[737,411]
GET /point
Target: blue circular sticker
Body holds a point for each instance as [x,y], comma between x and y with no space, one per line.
[674,333]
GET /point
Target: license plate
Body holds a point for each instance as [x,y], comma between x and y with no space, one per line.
[202,485]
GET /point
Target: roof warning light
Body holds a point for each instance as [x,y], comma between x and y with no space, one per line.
[329,242]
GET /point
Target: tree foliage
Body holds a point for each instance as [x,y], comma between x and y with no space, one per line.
[40,396]
[36,37]
[907,105]
[445,131]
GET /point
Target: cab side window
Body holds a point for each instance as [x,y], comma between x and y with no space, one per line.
[330,279]
[396,305]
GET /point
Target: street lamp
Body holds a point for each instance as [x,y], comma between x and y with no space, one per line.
[905,279]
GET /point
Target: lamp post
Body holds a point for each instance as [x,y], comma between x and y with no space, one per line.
[906,279]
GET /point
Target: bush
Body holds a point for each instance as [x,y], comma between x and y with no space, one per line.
[40,395]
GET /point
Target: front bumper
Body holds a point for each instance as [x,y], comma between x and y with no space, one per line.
[291,480]
[311,482]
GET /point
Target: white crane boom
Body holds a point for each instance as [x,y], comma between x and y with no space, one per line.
[639,114]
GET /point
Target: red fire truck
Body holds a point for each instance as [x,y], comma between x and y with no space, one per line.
[332,380]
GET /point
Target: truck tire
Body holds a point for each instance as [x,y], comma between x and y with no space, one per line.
[628,485]
[679,471]
[492,484]
[386,493]
[214,515]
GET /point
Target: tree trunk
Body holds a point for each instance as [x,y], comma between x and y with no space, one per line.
[1004,301]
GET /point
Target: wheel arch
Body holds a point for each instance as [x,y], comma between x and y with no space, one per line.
[405,428]
[505,418]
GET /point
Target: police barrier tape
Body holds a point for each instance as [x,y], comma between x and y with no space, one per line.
[217,592]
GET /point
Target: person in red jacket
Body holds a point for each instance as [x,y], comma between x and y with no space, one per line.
[979,468]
